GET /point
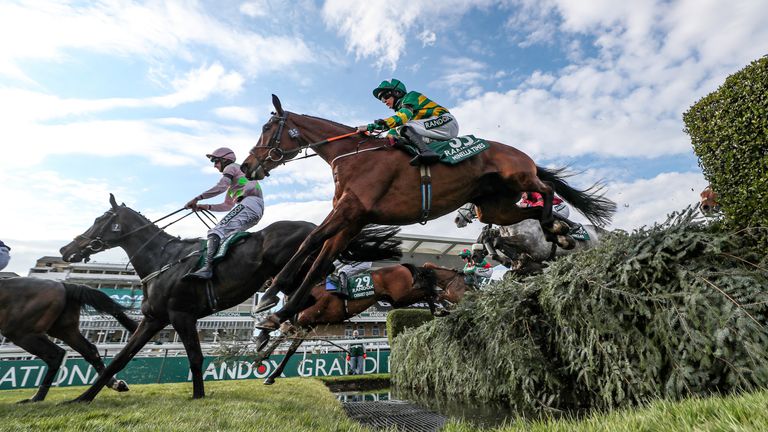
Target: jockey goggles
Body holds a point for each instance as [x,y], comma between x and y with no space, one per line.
[385,95]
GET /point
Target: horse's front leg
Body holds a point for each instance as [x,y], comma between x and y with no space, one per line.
[330,250]
[294,346]
[185,325]
[333,223]
[147,328]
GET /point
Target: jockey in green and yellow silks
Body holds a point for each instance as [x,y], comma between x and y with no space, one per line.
[417,118]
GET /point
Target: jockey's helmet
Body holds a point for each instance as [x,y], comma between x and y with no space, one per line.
[466,253]
[394,87]
[224,153]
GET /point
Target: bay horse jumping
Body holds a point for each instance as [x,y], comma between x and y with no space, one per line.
[401,285]
[164,260]
[375,184]
[451,281]
[32,309]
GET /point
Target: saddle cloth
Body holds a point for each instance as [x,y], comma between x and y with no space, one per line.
[359,286]
[224,247]
[579,233]
[455,150]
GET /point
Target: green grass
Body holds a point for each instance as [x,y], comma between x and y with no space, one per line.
[745,412]
[342,378]
[300,404]
[292,404]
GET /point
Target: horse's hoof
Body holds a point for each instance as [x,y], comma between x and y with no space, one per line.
[120,386]
[441,313]
[269,381]
[267,302]
[566,242]
[25,401]
[559,227]
[269,323]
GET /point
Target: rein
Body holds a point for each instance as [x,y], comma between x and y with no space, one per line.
[97,244]
[277,154]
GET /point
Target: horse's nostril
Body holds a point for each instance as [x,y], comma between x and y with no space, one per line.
[705,207]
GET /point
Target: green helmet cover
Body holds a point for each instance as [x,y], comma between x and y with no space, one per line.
[393,84]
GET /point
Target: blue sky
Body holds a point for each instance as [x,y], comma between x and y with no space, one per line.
[128,97]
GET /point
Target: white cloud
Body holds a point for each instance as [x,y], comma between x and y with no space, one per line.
[254,9]
[51,31]
[379,29]
[238,113]
[427,38]
[647,201]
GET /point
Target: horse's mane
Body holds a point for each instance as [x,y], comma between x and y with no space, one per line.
[329,121]
[145,219]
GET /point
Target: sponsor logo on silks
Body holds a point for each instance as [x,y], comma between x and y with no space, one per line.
[234,212]
[435,123]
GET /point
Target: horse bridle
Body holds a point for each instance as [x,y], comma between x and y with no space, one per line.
[98,244]
[275,153]
[467,213]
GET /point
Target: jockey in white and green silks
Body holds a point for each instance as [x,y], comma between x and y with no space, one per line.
[243,201]
[417,118]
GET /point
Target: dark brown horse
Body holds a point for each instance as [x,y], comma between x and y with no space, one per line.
[451,281]
[401,285]
[31,309]
[375,184]
[169,299]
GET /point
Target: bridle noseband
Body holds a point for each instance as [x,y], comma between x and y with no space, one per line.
[274,152]
[98,244]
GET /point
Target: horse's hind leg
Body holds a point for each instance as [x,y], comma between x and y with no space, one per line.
[39,345]
[185,325]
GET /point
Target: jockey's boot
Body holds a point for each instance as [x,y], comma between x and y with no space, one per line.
[426,155]
[206,271]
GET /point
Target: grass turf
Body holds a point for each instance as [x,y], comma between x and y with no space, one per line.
[292,404]
[300,404]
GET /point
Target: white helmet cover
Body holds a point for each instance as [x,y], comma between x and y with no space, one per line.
[223,153]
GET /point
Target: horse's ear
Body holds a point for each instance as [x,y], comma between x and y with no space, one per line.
[112,201]
[278,105]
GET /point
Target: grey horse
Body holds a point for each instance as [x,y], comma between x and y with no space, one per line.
[523,246]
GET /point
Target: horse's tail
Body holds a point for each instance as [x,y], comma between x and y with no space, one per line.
[84,294]
[374,243]
[423,278]
[591,203]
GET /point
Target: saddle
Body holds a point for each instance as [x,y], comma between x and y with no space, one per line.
[226,244]
[451,151]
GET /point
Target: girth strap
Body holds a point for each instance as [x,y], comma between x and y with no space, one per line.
[426,193]
[211,295]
